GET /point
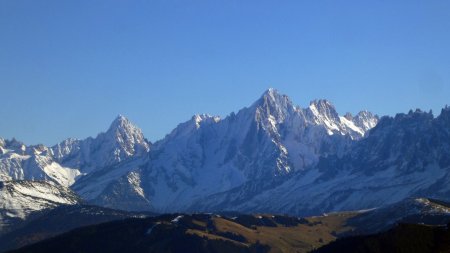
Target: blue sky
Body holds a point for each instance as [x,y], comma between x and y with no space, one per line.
[68,68]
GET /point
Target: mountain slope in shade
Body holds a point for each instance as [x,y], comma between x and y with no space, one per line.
[411,210]
[403,156]
[403,238]
[51,222]
[260,147]
[19,199]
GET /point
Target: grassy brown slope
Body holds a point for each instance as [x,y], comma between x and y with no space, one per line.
[304,236]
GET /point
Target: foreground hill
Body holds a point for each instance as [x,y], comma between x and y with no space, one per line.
[48,223]
[200,233]
[229,232]
[275,231]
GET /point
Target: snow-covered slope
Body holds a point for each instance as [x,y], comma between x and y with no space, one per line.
[19,162]
[259,147]
[18,199]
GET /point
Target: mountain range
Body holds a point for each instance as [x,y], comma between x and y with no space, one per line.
[272,156]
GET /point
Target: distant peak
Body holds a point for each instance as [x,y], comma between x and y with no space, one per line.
[199,118]
[365,113]
[126,137]
[273,98]
[324,108]
[121,122]
[121,118]
[321,103]
[273,104]
[365,120]
[272,93]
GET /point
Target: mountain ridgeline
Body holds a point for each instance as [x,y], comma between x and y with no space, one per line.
[272,156]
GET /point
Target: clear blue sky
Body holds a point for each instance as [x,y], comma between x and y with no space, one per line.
[67,68]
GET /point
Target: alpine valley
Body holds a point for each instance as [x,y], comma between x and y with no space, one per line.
[273,157]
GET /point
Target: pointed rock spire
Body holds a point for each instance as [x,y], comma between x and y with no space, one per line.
[120,122]
[272,103]
[127,135]
[273,97]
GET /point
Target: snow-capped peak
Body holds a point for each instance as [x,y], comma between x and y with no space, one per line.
[365,120]
[121,122]
[323,108]
[273,93]
[122,130]
[274,98]
[126,138]
[273,105]
[322,112]
[204,118]
[122,140]
[187,128]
